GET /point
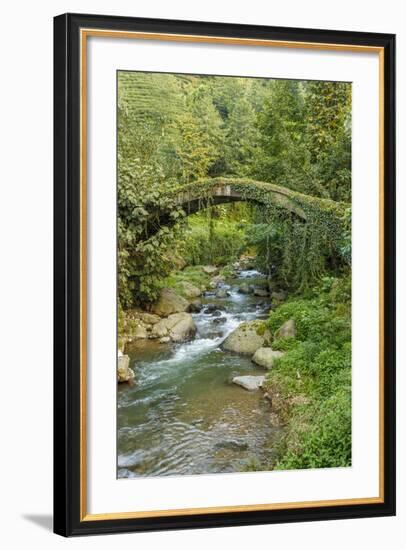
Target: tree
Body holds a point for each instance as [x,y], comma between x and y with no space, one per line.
[282,156]
[328,112]
[242,137]
[175,129]
[193,148]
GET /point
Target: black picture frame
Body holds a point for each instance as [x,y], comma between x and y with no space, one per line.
[67,350]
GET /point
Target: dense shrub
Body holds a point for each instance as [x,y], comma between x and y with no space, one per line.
[295,134]
[316,321]
[320,437]
[211,241]
[191,274]
[316,366]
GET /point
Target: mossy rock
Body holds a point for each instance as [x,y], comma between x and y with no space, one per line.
[169,302]
[247,338]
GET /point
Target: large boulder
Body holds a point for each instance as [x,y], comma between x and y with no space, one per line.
[124,373]
[184,328]
[179,327]
[245,288]
[161,329]
[139,332]
[219,320]
[216,313]
[216,281]
[265,357]
[247,338]
[149,318]
[195,306]
[287,330]
[190,291]
[169,302]
[222,293]
[260,291]
[210,308]
[250,383]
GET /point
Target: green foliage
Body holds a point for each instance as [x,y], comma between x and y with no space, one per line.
[191,274]
[227,272]
[297,253]
[242,136]
[282,154]
[175,130]
[182,134]
[345,248]
[328,110]
[208,240]
[142,262]
[284,344]
[317,366]
[299,238]
[305,138]
[320,437]
[315,320]
[120,326]
[195,152]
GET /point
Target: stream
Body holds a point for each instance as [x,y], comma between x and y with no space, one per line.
[184,415]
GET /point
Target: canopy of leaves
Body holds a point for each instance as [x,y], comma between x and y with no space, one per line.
[175,130]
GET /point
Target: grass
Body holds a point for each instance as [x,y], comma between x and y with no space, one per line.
[311,383]
[192,274]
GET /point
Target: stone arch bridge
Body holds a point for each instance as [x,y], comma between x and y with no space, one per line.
[211,191]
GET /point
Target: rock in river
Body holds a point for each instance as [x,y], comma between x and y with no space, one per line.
[216,281]
[245,288]
[124,373]
[249,383]
[222,293]
[190,291]
[232,445]
[265,357]
[195,306]
[219,320]
[263,292]
[169,302]
[247,338]
[216,313]
[149,318]
[180,327]
[140,331]
[210,308]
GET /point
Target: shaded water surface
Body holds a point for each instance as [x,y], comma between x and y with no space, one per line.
[185,416]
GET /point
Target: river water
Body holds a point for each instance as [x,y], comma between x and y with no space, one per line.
[184,415]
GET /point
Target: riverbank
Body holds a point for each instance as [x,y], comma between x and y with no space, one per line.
[182,293]
[216,340]
[310,385]
[216,329]
[183,413]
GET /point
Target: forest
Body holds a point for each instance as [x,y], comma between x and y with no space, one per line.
[236,137]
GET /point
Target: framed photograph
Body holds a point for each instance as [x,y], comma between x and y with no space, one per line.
[224,344]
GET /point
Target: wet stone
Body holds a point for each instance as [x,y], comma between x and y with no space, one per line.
[217,313]
[220,320]
[231,445]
